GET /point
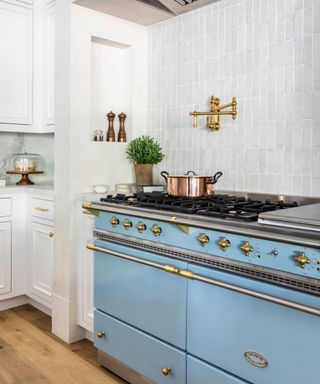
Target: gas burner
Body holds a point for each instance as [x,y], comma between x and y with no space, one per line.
[219,205]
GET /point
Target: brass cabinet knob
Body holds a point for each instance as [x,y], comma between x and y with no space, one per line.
[51,234]
[141,227]
[224,244]
[156,230]
[203,239]
[114,221]
[246,248]
[101,334]
[165,371]
[302,259]
[127,224]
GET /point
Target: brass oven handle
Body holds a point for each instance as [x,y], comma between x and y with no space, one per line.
[156,230]
[192,276]
[246,248]
[302,259]
[165,371]
[203,239]
[224,244]
[42,209]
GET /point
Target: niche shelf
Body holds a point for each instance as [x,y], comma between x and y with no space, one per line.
[111,85]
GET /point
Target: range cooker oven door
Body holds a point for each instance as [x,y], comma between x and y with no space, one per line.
[256,340]
[140,295]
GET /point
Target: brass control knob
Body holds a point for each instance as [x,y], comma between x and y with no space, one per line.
[302,259]
[127,224]
[224,244]
[156,230]
[114,221]
[203,239]
[165,371]
[101,334]
[246,248]
[141,227]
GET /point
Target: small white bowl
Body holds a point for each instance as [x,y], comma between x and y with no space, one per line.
[101,188]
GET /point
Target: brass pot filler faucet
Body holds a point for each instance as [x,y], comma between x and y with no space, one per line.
[213,117]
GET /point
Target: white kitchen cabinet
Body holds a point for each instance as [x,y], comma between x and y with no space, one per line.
[41,263]
[27,56]
[16,58]
[5,257]
[85,269]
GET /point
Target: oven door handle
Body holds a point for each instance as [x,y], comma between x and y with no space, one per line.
[250,292]
[164,267]
[192,276]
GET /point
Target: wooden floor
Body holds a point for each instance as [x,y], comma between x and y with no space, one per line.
[31,354]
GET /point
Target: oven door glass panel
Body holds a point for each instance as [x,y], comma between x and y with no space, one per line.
[223,325]
[199,372]
[146,297]
[139,351]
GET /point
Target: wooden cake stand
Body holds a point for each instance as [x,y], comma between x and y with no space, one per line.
[24,179]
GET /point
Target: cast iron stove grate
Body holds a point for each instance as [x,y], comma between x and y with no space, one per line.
[220,206]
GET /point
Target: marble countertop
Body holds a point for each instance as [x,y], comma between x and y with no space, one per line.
[45,189]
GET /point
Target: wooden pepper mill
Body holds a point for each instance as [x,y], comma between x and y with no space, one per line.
[111,136]
[122,137]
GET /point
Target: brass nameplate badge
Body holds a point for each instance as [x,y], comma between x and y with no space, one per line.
[255,359]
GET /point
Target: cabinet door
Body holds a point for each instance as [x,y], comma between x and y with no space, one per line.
[16,65]
[41,261]
[5,257]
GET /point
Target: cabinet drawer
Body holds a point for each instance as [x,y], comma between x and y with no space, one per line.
[42,208]
[235,331]
[146,297]
[199,372]
[139,351]
[5,207]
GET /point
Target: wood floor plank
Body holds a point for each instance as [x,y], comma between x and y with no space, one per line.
[29,313]
[48,357]
[16,369]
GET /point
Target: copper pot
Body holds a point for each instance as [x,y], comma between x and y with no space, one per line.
[190,184]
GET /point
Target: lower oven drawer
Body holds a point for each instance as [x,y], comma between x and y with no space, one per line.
[234,331]
[199,372]
[143,296]
[139,351]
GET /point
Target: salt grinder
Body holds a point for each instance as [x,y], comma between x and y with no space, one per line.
[122,137]
[111,136]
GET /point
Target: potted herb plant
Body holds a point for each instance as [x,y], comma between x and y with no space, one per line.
[143,152]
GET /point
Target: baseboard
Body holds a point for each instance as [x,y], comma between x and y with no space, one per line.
[13,302]
[39,306]
[89,335]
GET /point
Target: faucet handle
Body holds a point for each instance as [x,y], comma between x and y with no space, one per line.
[195,119]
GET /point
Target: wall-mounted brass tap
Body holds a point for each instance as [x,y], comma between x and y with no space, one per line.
[213,117]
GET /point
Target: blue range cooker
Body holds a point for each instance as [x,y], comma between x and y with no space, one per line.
[200,292]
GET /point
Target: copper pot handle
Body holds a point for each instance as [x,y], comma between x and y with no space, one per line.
[165,175]
[215,178]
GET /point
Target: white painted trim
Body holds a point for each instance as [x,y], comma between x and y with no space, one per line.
[13,302]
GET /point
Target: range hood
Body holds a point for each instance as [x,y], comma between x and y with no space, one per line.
[145,12]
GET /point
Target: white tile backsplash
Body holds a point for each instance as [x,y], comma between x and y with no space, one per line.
[267,54]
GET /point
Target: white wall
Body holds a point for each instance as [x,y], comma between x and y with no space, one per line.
[267,54]
[95,163]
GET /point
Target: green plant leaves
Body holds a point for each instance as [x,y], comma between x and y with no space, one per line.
[144,150]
